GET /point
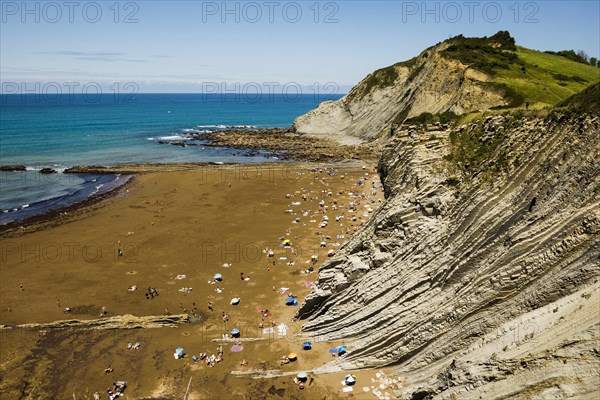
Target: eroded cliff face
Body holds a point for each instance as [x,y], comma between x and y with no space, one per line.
[473,283]
[431,83]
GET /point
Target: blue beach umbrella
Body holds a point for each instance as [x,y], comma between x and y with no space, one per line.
[218,276]
[307,345]
[235,332]
[179,352]
[289,301]
[341,350]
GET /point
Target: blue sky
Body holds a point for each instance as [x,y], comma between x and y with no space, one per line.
[188,46]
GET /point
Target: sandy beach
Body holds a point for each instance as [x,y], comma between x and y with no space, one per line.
[153,251]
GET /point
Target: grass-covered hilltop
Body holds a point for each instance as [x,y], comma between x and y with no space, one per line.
[458,77]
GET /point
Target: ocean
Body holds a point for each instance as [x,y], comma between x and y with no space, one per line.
[43,131]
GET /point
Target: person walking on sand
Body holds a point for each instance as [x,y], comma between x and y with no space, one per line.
[103,311]
[210,306]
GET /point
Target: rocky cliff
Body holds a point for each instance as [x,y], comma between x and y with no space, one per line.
[430,83]
[478,278]
[460,75]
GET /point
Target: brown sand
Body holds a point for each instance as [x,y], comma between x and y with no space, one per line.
[172,223]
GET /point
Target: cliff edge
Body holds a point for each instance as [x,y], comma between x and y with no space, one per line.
[478,277]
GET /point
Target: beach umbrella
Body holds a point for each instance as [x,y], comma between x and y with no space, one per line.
[292,356]
[289,301]
[307,345]
[303,376]
[218,277]
[235,301]
[179,352]
[341,350]
[235,332]
[350,379]
[236,348]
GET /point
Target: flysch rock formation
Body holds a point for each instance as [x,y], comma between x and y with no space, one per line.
[432,83]
[117,322]
[472,284]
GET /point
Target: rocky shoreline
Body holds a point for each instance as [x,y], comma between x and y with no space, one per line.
[281,143]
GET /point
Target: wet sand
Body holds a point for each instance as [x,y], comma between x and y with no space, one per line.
[167,224]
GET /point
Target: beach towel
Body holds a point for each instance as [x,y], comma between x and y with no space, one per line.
[282,329]
[266,314]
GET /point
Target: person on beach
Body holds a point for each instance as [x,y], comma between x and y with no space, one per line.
[210,306]
[225,317]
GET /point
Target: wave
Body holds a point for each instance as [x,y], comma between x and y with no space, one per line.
[91,187]
[60,168]
[226,126]
[187,133]
[172,137]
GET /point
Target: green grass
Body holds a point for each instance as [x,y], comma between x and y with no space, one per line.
[587,100]
[377,80]
[547,79]
[471,152]
[428,118]
[489,55]
[523,75]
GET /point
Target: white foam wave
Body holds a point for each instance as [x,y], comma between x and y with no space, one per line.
[172,137]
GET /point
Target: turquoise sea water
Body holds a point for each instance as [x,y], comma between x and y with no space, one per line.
[61,131]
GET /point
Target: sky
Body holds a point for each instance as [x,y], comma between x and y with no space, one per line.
[276,46]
